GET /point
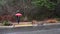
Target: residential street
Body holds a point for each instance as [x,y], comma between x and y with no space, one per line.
[44,29]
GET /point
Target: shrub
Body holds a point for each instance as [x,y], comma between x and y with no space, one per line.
[6,23]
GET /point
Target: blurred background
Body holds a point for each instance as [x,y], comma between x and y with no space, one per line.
[30,9]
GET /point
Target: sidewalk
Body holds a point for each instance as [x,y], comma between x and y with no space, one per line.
[24,24]
[21,24]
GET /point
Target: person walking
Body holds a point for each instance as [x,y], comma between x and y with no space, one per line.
[18,15]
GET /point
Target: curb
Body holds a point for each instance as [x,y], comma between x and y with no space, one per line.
[52,24]
[6,26]
[14,26]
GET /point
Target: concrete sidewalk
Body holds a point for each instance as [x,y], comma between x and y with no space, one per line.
[21,24]
[24,24]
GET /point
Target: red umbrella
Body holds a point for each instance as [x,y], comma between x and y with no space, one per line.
[18,14]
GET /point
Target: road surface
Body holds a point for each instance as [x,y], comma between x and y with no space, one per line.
[46,29]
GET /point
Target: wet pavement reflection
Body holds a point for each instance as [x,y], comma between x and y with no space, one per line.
[50,29]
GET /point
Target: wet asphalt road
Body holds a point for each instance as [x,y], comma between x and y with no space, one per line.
[50,29]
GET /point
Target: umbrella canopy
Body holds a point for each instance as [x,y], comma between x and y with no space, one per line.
[18,14]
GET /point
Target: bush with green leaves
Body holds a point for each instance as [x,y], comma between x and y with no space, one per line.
[6,23]
[44,3]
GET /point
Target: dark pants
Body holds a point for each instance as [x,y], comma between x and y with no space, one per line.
[18,19]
